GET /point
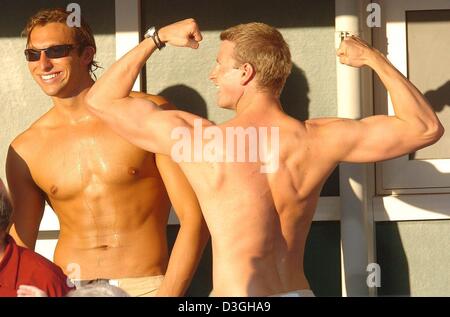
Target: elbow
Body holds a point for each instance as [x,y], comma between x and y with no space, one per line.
[433,132]
[436,131]
[440,131]
[196,224]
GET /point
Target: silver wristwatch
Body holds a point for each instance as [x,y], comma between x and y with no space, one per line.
[153,33]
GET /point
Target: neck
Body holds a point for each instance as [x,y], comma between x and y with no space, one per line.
[258,102]
[73,107]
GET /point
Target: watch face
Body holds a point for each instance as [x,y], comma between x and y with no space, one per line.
[150,32]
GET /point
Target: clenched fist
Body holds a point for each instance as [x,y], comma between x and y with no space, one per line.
[355,52]
[184,33]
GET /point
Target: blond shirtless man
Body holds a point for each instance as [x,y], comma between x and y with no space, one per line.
[111,197]
[258,221]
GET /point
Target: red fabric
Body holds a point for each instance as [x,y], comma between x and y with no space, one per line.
[23,266]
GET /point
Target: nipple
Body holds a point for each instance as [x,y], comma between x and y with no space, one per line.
[53,190]
[132,171]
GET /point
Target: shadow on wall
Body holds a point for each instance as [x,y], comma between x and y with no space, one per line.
[295,102]
[322,258]
[393,261]
[187,99]
[294,97]
[439,99]
[391,256]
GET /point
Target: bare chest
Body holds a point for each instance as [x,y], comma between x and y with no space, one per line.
[65,162]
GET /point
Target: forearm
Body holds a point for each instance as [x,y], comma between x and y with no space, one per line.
[27,240]
[184,259]
[117,81]
[409,103]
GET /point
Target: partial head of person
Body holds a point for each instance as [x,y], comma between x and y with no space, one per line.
[251,56]
[60,57]
[6,211]
[98,290]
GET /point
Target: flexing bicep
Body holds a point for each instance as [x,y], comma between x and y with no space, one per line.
[27,199]
[160,101]
[372,139]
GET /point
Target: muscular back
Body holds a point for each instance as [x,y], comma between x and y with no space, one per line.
[261,221]
[108,196]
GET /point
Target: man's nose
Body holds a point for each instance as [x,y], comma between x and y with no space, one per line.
[44,62]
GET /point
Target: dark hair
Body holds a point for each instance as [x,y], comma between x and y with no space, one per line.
[82,35]
[5,211]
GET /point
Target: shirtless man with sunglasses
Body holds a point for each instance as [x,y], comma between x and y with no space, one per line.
[111,197]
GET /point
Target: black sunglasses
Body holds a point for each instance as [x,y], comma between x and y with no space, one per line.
[57,51]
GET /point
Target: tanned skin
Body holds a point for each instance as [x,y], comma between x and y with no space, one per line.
[111,197]
[259,222]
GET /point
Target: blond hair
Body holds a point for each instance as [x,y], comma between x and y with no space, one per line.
[265,49]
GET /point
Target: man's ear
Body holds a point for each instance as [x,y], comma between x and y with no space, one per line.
[248,73]
[88,55]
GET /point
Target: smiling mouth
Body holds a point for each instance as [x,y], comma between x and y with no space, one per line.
[50,76]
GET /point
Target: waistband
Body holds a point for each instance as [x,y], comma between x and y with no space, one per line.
[116,282]
[297,293]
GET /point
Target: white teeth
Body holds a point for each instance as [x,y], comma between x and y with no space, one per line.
[47,77]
